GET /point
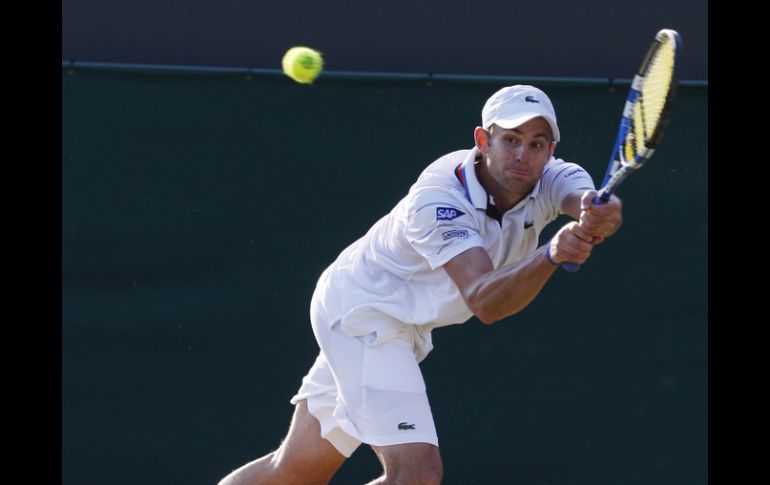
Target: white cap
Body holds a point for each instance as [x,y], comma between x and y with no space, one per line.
[515,105]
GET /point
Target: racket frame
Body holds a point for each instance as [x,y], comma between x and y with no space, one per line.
[619,168]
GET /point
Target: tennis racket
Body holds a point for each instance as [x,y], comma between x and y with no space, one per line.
[645,114]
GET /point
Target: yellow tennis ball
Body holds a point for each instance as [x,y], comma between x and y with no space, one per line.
[302,64]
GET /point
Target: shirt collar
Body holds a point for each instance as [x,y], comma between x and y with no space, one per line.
[475,192]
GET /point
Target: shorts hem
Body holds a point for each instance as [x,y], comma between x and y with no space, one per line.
[402,440]
[343,442]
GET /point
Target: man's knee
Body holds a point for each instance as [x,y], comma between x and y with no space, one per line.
[275,469]
[260,471]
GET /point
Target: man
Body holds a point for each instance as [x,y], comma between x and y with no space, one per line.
[463,242]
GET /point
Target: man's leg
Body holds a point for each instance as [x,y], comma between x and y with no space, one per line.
[304,458]
[409,464]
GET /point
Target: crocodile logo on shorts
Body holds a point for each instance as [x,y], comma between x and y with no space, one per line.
[405,426]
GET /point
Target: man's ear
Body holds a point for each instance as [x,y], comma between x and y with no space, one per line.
[482,139]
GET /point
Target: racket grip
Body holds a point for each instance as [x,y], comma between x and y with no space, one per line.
[599,199]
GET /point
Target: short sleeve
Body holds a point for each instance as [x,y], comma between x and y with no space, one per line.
[560,179]
[441,224]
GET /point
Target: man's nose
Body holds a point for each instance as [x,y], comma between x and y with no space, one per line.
[519,153]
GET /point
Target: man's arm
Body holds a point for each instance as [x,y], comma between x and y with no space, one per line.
[495,294]
[598,220]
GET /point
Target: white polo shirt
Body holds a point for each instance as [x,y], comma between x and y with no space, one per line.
[395,269]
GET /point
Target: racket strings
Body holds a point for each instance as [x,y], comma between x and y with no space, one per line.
[654,92]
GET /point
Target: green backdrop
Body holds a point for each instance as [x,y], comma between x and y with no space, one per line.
[199,209]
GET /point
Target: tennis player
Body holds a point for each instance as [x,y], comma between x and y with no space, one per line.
[462,242]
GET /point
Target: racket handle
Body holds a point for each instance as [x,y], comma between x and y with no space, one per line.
[599,199]
[571,267]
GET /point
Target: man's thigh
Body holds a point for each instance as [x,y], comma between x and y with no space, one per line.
[411,462]
[304,454]
[304,458]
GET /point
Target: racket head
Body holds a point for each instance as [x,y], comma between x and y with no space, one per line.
[645,114]
[655,86]
[647,109]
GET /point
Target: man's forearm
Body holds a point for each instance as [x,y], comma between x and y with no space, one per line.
[508,290]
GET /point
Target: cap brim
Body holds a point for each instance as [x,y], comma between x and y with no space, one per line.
[511,123]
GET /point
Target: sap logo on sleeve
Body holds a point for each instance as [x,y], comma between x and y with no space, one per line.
[453,234]
[448,213]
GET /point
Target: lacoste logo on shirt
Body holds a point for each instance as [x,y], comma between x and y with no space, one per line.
[529,224]
[452,234]
[405,426]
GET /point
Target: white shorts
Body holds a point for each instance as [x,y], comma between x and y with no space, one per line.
[366,388]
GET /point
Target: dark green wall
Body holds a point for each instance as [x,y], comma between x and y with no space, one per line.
[198,211]
[593,38]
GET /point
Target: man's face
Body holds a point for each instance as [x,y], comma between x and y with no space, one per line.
[516,157]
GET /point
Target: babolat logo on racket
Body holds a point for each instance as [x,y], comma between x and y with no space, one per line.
[453,234]
[448,213]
